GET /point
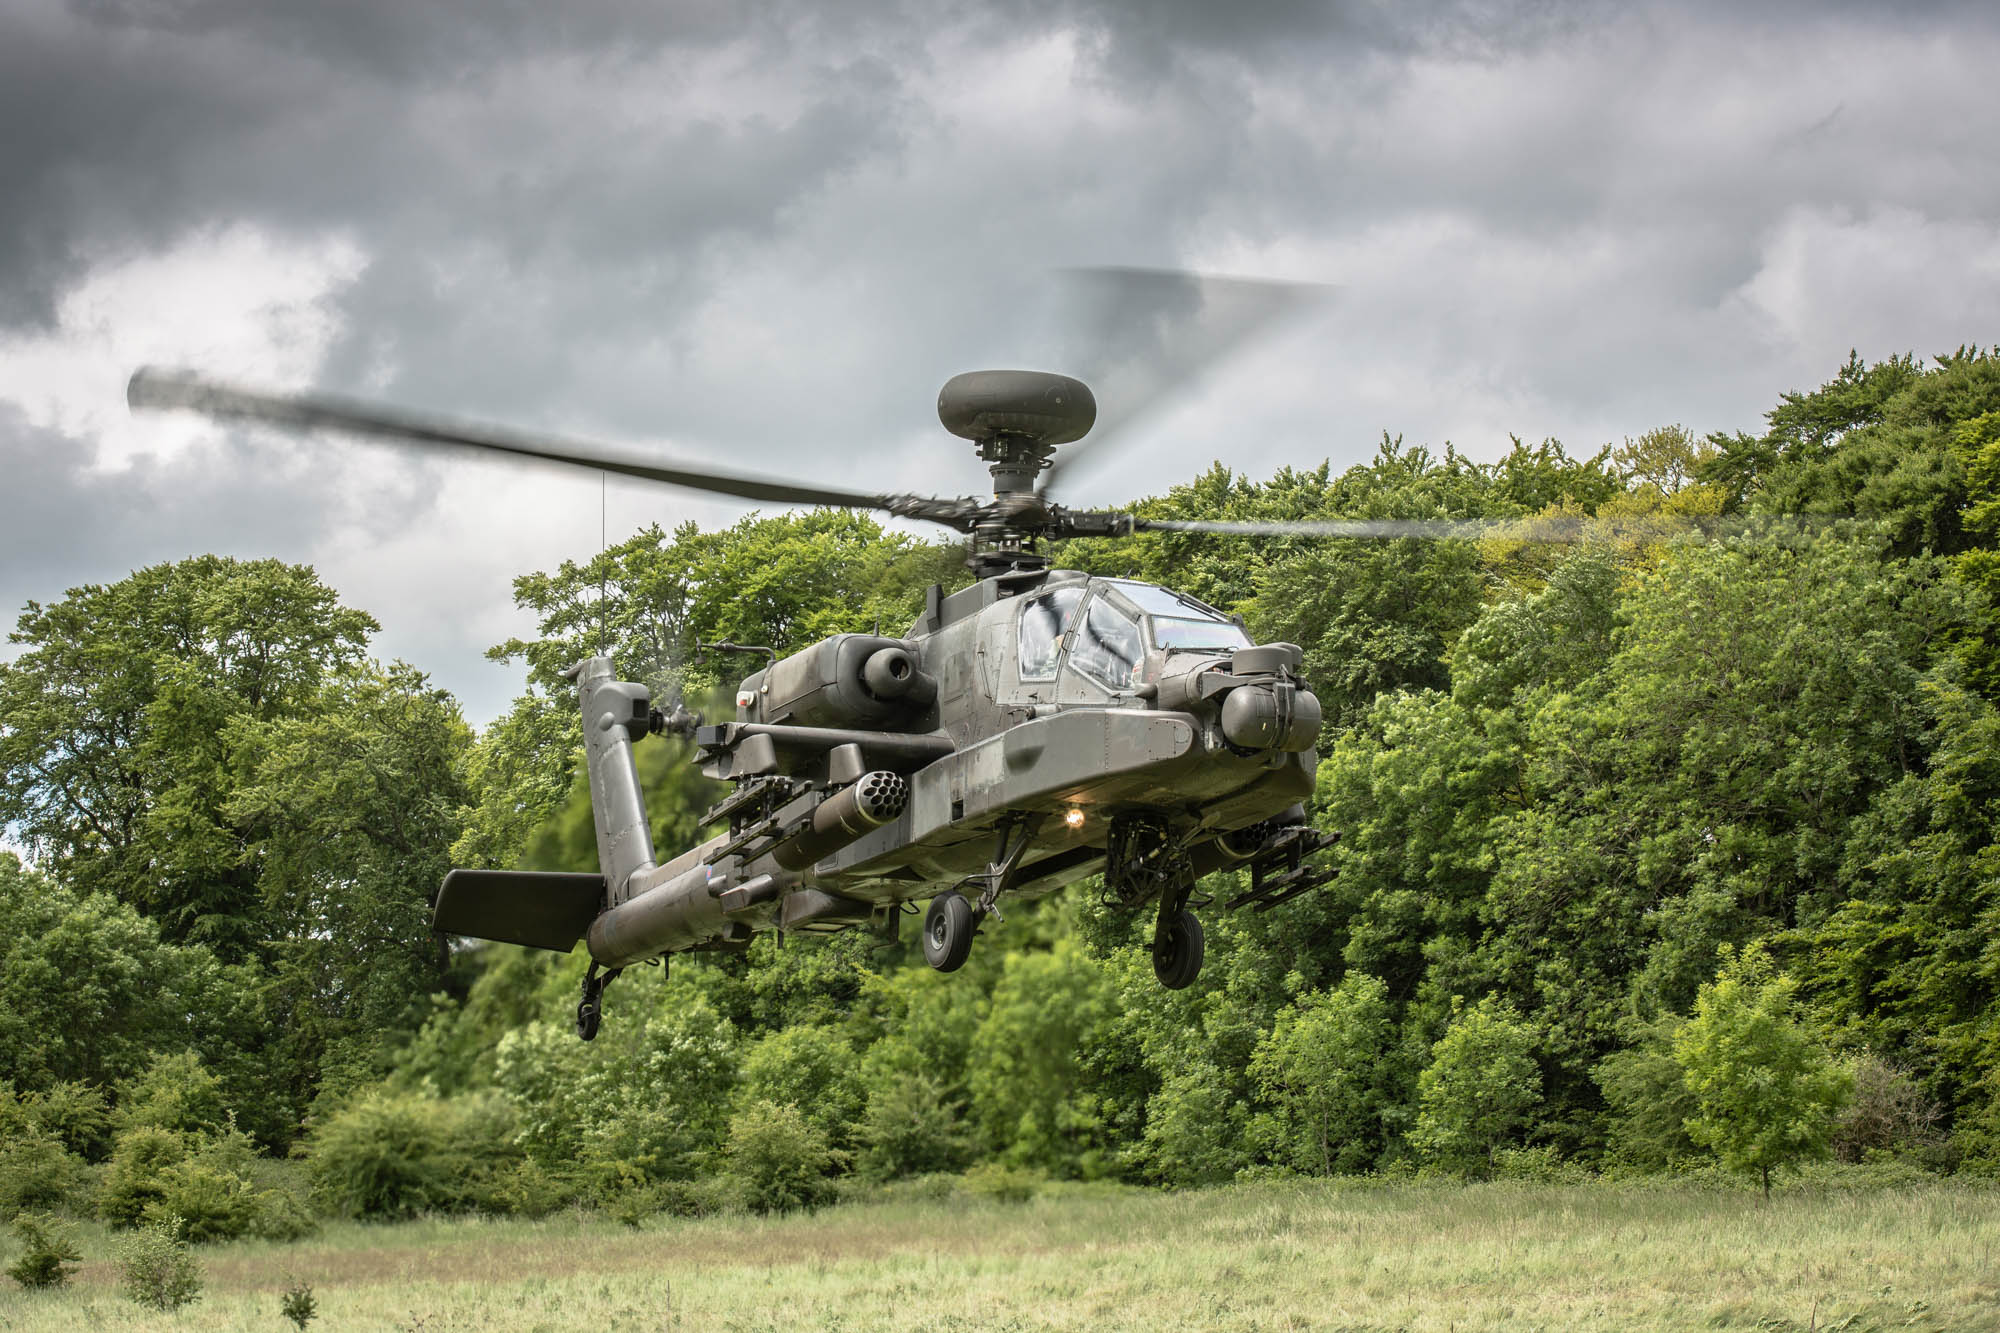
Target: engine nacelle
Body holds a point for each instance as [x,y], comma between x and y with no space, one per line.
[849,680]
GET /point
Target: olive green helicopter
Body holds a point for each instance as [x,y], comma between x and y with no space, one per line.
[1037,727]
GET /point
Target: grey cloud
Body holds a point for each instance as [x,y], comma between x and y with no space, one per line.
[763,235]
[64,523]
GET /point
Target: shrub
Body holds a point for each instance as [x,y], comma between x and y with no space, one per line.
[133,1180]
[391,1156]
[157,1269]
[48,1251]
[1542,1165]
[991,1180]
[778,1160]
[1649,1101]
[35,1171]
[74,1113]
[206,1202]
[1888,1113]
[282,1216]
[298,1304]
[527,1189]
[1476,1094]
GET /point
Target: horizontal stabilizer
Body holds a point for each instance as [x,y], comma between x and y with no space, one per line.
[541,909]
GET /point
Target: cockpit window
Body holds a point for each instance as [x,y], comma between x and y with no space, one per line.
[1043,620]
[1107,647]
[1172,632]
[1155,600]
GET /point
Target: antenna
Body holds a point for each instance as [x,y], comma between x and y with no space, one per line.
[603,571]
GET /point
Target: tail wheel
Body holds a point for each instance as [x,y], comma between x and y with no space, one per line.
[948,932]
[1178,948]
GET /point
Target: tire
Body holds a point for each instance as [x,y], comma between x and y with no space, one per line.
[948,932]
[1178,950]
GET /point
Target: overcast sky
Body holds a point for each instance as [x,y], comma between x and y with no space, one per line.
[763,234]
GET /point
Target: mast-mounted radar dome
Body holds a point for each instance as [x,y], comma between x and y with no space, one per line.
[1033,404]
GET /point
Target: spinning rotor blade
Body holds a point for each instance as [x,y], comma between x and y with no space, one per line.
[1635,527]
[1169,326]
[152,387]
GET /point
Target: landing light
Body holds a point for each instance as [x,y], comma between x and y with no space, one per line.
[1074,819]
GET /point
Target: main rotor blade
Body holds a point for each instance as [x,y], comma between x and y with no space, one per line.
[1634,527]
[152,387]
[1154,332]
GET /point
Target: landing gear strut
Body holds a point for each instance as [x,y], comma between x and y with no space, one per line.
[590,1009]
[952,921]
[1144,860]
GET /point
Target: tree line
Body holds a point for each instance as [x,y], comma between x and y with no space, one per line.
[1656,853]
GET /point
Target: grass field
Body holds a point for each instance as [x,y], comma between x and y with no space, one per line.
[1278,1255]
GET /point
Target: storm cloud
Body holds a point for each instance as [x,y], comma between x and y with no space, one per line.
[764,234]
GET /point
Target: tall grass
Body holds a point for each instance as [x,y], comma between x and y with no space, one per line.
[1276,1255]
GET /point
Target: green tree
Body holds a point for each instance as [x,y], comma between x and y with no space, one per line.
[90,993]
[1765,1091]
[1329,1068]
[1476,1094]
[357,801]
[116,746]
[812,1068]
[1029,1099]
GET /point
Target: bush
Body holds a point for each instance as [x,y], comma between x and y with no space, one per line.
[157,1269]
[48,1251]
[1888,1113]
[35,1172]
[778,1161]
[206,1202]
[392,1156]
[527,1189]
[1543,1165]
[298,1304]
[1006,1184]
[282,1216]
[132,1182]
[75,1113]
[812,1068]
[1649,1100]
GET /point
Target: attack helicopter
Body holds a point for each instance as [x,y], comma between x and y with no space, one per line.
[1037,727]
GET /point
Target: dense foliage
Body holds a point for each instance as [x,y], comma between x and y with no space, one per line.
[1653,853]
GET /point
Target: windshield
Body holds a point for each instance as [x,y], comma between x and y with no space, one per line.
[1107,647]
[1155,600]
[1043,620]
[1172,632]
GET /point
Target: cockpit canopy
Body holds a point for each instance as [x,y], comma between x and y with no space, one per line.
[1110,636]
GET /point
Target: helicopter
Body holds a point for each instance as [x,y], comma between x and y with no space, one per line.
[1035,728]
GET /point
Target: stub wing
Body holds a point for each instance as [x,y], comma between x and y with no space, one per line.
[540,909]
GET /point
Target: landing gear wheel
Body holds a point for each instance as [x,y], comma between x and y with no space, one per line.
[1178,948]
[590,1009]
[948,932]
